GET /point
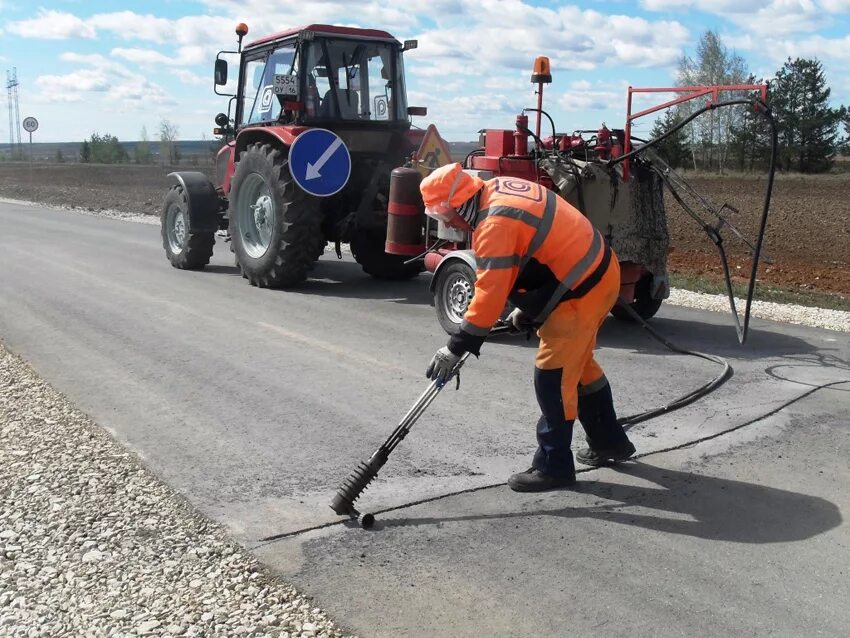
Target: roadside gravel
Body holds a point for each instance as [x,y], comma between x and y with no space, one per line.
[787,313]
[92,544]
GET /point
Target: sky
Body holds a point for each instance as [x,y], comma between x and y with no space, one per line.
[115,67]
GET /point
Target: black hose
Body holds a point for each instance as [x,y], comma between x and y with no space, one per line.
[764,109]
[704,390]
[477,151]
[549,117]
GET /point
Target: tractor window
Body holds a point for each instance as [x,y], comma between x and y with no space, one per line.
[352,80]
[260,102]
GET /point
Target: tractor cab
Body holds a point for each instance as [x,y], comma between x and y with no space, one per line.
[322,76]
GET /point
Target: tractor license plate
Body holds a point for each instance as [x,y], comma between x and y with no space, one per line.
[285,84]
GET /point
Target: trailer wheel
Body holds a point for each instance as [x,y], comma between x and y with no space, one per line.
[275,227]
[644,304]
[185,250]
[453,291]
[368,250]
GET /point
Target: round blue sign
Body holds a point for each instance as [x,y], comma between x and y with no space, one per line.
[319,162]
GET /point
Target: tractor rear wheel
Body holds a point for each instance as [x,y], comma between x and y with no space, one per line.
[368,250]
[275,226]
[185,250]
[644,304]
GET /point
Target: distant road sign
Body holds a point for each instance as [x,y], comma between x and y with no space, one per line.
[30,124]
[433,152]
[319,162]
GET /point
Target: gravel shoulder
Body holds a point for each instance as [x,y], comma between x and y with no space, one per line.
[92,544]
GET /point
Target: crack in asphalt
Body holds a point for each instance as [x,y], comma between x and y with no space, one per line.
[681,446]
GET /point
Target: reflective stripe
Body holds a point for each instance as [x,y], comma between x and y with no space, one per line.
[573,276]
[514,213]
[543,228]
[471,328]
[496,263]
[590,388]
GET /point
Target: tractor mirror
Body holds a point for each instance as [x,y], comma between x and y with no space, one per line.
[410,44]
[221,120]
[417,110]
[221,72]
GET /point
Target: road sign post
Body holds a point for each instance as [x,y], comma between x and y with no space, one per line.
[30,125]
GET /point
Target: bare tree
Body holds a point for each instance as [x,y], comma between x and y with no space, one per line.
[713,64]
[167,142]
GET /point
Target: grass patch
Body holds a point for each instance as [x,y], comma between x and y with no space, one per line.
[811,298]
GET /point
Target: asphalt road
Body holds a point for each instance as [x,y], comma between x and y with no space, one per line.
[255,404]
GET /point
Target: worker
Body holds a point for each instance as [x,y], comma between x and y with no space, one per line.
[534,249]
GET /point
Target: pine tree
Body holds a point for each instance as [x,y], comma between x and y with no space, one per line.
[60,157]
[85,152]
[674,149]
[808,125]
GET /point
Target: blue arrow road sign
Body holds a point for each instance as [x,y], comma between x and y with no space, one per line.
[319,162]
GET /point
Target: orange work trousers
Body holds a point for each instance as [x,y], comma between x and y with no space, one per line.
[568,336]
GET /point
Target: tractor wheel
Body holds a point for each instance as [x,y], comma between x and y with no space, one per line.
[452,293]
[644,304]
[368,251]
[185,250]
[275,227]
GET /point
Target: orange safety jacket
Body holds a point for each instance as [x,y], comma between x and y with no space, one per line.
[531,247]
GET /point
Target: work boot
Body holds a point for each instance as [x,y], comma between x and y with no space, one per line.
[595,458]
[533,480]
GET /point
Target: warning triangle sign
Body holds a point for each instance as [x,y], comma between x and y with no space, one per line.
[433,152]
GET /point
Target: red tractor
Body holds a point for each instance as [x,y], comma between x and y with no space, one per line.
[337,95]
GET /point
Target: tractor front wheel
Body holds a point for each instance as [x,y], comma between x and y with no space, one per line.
[185,250]
[368,250]
[275,226]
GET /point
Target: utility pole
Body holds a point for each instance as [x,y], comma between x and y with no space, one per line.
[14,112]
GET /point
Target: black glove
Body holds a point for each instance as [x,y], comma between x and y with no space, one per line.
[442,364]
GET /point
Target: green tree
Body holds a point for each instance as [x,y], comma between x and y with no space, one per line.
[142,152]
[106,149]
[674,149]
[713,64]
[749,143]
[85,152]
[60,157]
[808,125]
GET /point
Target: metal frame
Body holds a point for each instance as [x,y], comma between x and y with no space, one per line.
[691,93]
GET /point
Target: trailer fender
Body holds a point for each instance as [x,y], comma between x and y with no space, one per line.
[202,200]
[466,256]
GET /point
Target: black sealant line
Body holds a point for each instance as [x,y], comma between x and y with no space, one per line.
[481,488]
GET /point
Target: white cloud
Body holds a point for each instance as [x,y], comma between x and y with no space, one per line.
[776,17]
[144,57]
[836,6]
[52,25]
[187,77]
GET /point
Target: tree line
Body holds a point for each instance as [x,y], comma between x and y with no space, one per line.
[107,149]
[811,132]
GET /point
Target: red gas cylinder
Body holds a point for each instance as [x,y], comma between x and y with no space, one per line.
[603,142]
[405,213]
[520,136]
